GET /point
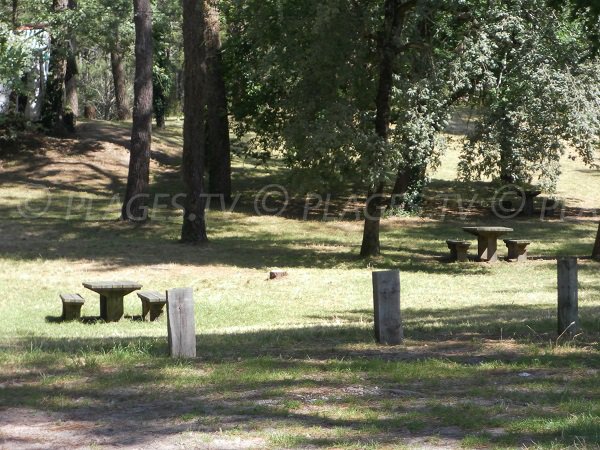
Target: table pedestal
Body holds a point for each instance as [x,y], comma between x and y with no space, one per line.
[111,307]
[111,297]
[487,241]
[487,248]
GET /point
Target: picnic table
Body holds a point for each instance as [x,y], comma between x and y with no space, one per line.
[111,296]
[487,241]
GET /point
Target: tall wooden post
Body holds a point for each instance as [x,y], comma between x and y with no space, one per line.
[181,323]
[568,314]
[386,303]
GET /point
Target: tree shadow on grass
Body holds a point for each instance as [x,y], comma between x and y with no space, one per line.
[66,231]
[319,385]
[237,243]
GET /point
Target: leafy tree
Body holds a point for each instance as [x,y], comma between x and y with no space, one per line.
[54,116]
[16,57]
[538,92]
[348,91]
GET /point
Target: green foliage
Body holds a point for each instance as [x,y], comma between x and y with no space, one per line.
[295,83]
[16,58]
[106,24]
[304,78]
[538,92]
[168,58]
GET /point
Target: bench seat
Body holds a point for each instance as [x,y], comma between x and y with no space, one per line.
[517,249]
[458,250]
[71,306]
[153,303]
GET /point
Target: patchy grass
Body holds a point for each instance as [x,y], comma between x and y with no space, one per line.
[289,363]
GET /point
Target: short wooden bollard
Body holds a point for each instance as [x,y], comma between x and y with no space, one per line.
[386,303]
[568,314]
[181,323]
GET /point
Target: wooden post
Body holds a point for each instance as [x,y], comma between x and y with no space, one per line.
[386,302]
[181,323]
[568,315]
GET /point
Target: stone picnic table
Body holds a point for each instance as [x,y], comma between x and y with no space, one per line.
[487,241]
[111,296]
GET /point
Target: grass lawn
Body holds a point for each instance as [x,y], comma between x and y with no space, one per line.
[289,363]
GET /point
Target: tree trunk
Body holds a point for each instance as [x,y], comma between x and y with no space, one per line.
[596,250]
[160,120]
[71,96]
[394,11]
[17,101]
[194,224]
[218,148]
[53,107]
[134,206]
[159,103]
[118,73]
[402,182]
[15,13]
[370,243]
[410,180]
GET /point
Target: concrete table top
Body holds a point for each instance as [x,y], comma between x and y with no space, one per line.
[477,231]
[111,285]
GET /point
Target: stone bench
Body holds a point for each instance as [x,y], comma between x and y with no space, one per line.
[71,306]
[458,250]
[517,249]
[153,303]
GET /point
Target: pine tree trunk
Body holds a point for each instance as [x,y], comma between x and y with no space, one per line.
[194,223]
[118,73]
[160,120]
[159,104]
[134,205]
[219,147]
[394,12]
